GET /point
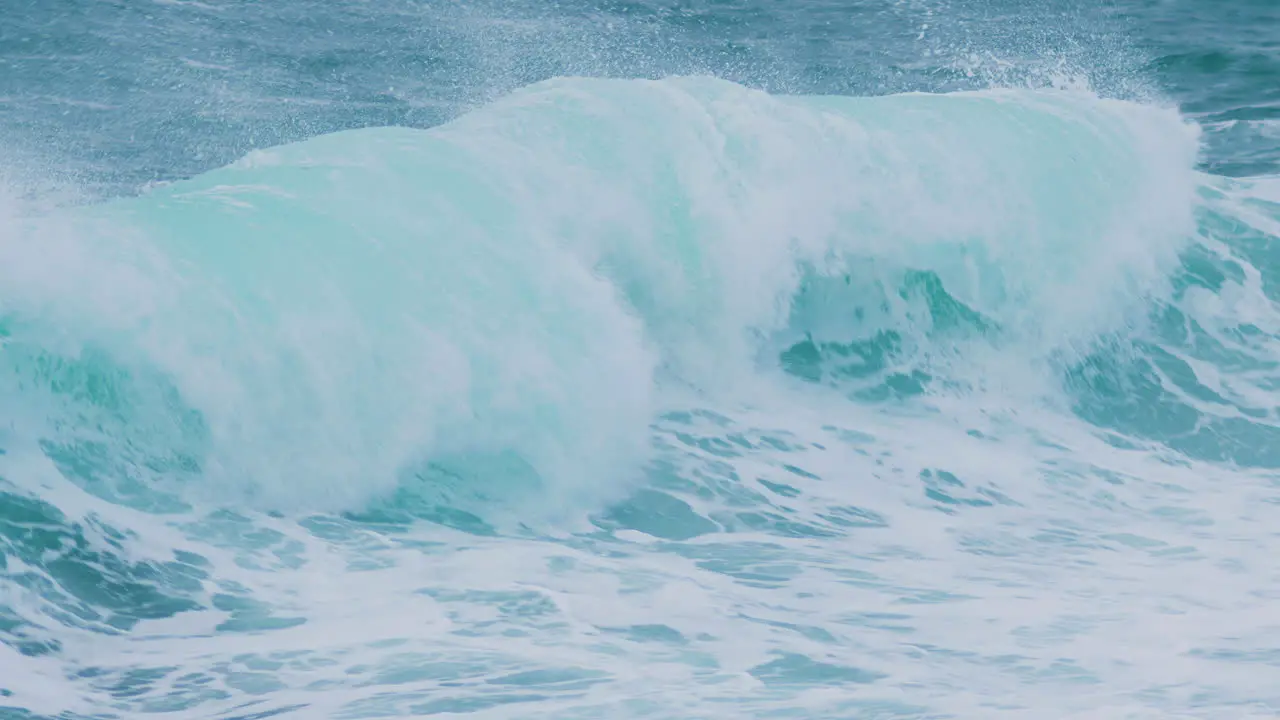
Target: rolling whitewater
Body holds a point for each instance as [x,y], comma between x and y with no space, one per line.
[611,360]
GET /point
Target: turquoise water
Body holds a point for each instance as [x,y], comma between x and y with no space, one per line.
[630,360]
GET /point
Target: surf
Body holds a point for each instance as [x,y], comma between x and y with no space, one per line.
[518,293]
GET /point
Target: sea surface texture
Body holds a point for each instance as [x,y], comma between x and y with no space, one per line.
[614,359]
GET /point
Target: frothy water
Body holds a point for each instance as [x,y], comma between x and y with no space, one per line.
[654,398]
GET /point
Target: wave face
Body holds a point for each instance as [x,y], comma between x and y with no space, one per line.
[652,373]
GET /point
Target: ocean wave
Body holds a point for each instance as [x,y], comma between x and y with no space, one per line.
[518,292]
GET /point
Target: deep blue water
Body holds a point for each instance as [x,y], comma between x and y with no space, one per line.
[130,92]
